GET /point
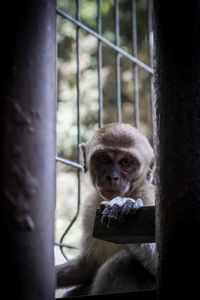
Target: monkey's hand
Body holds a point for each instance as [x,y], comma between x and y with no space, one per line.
[118,209]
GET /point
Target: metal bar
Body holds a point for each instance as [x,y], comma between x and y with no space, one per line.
[69,163]
[78,76]
[27,152]
[65,245]
[140,229]
[177,53]
[78,110]
[137,295]
[99,53]
[117,62]
[150,29]
[78,126]
[135,68]
[105,41]
[150,41]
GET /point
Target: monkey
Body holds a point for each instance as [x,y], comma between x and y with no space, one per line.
[119,159]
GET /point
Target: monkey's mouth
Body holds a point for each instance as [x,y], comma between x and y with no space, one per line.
[109,194]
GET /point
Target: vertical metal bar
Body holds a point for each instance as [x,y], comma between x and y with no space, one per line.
[78,125]
[177,41]
[150,41]
[78,105]
[78,75]
[117,62]
[150,29]
[135,68]
[28,148]
[100,85]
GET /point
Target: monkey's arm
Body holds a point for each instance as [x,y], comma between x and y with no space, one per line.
[147,255]
[117,210]
[75,272]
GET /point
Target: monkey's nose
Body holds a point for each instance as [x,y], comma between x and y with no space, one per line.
[112,178]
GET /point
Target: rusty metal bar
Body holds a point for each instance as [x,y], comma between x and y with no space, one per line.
[177,38]
[27,152]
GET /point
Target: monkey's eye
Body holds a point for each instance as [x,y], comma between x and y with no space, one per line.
[104,159]
[126,163]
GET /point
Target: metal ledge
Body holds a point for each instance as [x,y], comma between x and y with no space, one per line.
[138,228]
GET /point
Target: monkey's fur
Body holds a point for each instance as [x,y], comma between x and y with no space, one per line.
[119,159]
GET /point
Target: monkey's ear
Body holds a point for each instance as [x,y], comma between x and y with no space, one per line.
[151,170]
[83,156]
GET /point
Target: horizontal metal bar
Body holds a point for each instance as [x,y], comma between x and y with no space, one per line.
[105,41]
[65,245]
[137,295]
[69,163]
[139,228]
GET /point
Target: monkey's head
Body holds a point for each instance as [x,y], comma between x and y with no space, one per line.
[118,158]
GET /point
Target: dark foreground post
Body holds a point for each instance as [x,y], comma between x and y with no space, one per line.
[177,39]
[27,133]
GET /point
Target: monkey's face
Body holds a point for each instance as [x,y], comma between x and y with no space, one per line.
[114,172]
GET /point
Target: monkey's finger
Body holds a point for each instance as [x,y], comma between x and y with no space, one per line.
[105,209]
[130,207]
[139,202]
[110,215]
[112,212]
[107,221]
[103,204]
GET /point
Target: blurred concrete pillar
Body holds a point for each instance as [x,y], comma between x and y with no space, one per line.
[177,81]
[27,133]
